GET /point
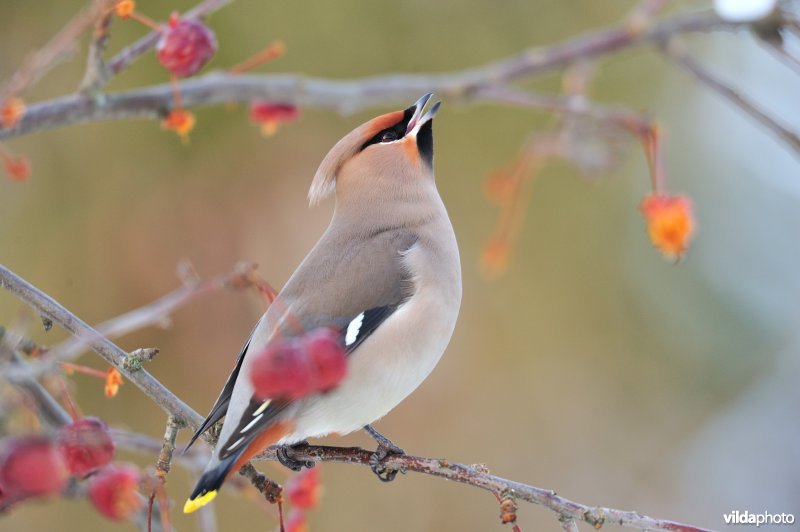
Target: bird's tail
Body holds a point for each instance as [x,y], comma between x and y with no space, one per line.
[209,484]
[214,476]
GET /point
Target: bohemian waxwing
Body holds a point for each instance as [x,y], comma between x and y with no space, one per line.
[385,275]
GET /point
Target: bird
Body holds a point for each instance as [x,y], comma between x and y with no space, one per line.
[385,276]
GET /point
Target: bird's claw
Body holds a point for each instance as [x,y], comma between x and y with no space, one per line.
[385,449]
[283,453]
[384,473]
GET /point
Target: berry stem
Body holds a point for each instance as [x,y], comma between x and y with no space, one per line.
[651,141]
[273,51]
[147,21]
[66,397]
[69,367]
[176,92]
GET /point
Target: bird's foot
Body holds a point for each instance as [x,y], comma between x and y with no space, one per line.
[285,452]
[385,449]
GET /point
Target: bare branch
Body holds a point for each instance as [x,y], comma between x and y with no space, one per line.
[112,354]
[479,477]
[569,525]
[50,409]
[182,414]
[194,459]
[156,314]
[62,44]
[678,54]
[349,96]
[97,74]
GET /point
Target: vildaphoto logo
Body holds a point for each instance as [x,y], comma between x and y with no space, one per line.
[764,518]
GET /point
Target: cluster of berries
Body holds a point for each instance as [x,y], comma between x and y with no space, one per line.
[39,466]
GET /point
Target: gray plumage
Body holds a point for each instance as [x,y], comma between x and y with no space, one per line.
[389,254]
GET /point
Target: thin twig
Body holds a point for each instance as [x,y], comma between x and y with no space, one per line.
[616,114]
[269,488]
[112,354]
[115,356]
[61,45]
[183,414]
[123,60]
[96,74]
[163,465]
[49,408]
[156,313]
[349,96]
[678,54]
[780,51]
[57,416]
[194,459]
[569,525]
[478,477]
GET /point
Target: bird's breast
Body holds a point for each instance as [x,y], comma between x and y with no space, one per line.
[396,358]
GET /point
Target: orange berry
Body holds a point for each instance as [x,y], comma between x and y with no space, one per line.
[180,121]
[125,8]
[495,257]
[11,111]
[113,382]
[670,223]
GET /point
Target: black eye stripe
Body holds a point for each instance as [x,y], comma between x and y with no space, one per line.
[399,130]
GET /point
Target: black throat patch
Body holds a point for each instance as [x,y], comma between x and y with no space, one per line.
[425,142]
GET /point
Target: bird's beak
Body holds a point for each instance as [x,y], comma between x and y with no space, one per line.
[418,107]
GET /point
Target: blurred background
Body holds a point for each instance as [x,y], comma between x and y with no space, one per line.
[592,367]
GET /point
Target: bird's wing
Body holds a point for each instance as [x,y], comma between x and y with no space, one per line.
[353,290]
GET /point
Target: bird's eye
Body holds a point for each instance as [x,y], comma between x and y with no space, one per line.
[389,136]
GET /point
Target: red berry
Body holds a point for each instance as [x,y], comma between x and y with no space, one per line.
[303,489]
[31,466]
[17,167]
[86,445]
[114,491]
[270,115]
[186,46]
[282,370]
[328,357]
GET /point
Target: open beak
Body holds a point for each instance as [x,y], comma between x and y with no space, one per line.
[416,121]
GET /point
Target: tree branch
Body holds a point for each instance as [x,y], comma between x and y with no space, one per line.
[156,313]
[181,414]
[678,54]
[349,96]
[479,477]
[39,63]
[123,59]
[51,309]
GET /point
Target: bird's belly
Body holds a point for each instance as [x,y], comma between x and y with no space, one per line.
[379,378]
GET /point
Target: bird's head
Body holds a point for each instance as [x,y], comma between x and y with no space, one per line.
[388,157]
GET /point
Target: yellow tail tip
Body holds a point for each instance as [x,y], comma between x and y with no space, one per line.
[193,504]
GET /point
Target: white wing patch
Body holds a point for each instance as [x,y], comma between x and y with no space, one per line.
[235,444]
[261,408]
[353,329]
[250,425]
